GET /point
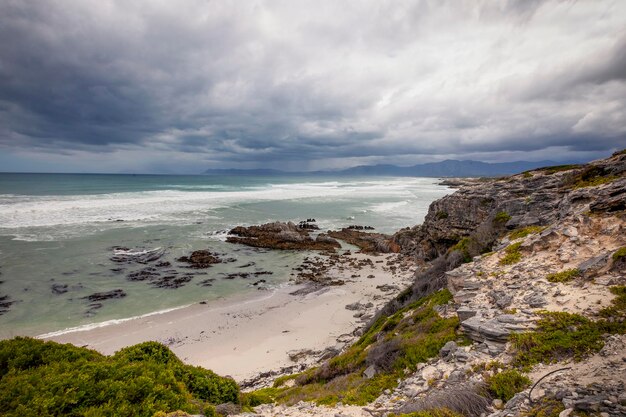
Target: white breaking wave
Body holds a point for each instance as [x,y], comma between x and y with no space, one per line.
[170,206]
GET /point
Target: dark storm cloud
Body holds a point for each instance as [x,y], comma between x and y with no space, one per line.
[330,83]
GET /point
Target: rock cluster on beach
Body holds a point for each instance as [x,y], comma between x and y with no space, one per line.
[542,245]
[279,235]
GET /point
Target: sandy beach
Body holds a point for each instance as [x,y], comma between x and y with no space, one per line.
[244,337]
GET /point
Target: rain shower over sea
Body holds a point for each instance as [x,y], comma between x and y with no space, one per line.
[62,236]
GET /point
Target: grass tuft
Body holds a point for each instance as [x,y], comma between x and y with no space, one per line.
[525,231]
[502,217]
[619,254]
[506,384]
[512,254]
[564,276]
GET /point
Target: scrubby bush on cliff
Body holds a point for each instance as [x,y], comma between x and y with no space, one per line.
[49,379]
[506,384]
[561,335]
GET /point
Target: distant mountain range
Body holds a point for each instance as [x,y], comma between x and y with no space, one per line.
[447,168]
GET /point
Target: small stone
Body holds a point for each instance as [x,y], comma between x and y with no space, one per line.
[497,404]
[604,414]
[566,412]
[370,372]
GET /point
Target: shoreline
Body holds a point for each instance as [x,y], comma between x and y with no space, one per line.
[293,326]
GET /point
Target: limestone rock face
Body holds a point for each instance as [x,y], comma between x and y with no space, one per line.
[539,197]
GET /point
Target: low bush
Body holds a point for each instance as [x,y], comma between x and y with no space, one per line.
[512,254]
[506,384]
[564,276]
[558,336]
[619,254]
[591,176]
[502,217]
[525,231]
[50,379]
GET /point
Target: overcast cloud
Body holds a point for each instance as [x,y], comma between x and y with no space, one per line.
[181,86]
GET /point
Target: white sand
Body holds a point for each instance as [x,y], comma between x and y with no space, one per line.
[243,337]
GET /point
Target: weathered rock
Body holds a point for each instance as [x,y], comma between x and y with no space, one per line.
[367,242]
[279,235]
[480,329]
[59,288]
[106,295]
[370,372]
[200,259]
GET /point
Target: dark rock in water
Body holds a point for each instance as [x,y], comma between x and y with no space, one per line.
[206,282]
[359,227]
[234,275]
[200,259]
[249,264]
[142,275]
[279,235]
[124,255]
[256,274]
[117,270]
[5,304]
[107,295]
[307,225]
[261,281]
[59,288]
[171,281]
[163,264]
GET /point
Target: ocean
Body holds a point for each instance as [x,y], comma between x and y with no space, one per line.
[60,234]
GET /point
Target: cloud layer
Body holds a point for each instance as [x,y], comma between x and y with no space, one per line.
[183,86]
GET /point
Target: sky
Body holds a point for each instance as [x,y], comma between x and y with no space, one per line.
[150,86]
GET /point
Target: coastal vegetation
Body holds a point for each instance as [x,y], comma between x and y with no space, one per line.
[512,254]
[564,276]
[525,231]
[49,379]
[562,335]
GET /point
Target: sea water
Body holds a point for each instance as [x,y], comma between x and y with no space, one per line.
[62,230]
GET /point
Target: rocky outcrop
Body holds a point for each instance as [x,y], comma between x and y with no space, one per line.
[366,241]
[200,259]
[538,197]
[279,235]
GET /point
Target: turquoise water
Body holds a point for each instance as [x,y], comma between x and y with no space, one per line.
[60,230]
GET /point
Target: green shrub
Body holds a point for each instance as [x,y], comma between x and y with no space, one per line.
[441,215]
[619,254]
[50,379]
[506,384]
[561,335]
[512,254]
[564,276]
[525,231]
[463,246]
[592,176]
[502,217]
[546,407]
[558,336]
